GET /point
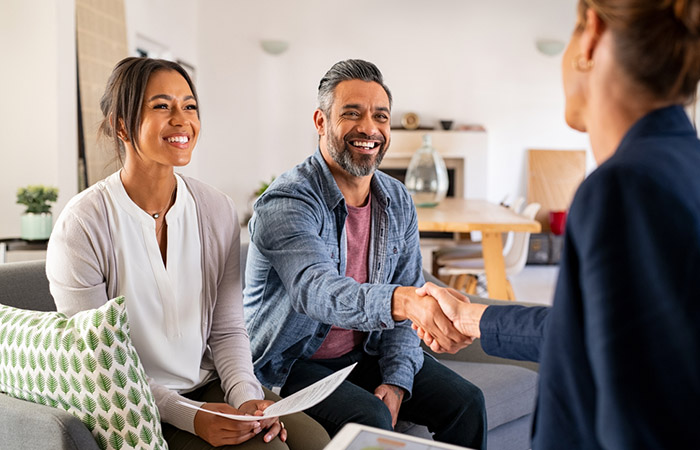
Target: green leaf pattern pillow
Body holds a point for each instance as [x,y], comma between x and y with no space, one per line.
[85,365]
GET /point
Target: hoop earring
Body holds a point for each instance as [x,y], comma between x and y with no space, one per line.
[582,64]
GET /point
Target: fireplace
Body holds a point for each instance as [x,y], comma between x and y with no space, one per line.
[464,153]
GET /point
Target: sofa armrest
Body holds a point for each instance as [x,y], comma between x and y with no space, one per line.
[30,426]
[474,353]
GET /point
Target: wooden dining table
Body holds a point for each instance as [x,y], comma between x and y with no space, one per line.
[463,215]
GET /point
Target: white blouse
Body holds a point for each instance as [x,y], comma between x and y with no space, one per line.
[164,303]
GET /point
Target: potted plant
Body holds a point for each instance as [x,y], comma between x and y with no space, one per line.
[37,221]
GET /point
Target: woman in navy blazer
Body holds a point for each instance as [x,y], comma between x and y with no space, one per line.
[619,351]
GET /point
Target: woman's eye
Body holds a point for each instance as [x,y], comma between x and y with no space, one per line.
[191,107]
[160,106]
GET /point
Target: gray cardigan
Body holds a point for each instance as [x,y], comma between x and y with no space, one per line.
[82,271]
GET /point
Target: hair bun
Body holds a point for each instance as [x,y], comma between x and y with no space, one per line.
[688,13]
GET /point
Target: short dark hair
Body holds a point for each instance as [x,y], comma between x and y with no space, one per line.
[123,97]
[350,69]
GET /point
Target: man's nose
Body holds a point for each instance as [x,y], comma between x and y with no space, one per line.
[367,125]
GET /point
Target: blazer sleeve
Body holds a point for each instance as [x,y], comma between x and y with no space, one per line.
[514,332]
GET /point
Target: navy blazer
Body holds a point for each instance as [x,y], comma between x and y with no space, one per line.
[620,348]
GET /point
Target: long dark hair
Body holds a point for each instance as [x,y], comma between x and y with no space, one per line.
[123,97]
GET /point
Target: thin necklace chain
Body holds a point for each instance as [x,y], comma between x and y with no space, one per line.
[156,215]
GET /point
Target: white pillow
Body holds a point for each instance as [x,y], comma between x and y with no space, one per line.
[85,365]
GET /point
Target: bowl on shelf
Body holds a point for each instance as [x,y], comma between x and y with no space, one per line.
[446,124]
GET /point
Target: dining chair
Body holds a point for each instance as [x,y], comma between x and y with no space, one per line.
[462,274]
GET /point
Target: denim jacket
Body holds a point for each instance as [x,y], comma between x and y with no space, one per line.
[296,286]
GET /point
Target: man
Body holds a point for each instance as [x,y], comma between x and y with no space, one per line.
[332,267]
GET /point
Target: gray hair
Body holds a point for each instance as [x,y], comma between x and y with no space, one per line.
[350,69]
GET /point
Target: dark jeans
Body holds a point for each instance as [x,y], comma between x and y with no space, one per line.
[451,407]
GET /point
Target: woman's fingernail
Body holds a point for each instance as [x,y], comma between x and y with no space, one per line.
[268,438]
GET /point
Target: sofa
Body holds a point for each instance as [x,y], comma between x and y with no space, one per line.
[509,387]
[30,426]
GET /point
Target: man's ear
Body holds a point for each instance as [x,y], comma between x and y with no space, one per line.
[320,120]
[592,32]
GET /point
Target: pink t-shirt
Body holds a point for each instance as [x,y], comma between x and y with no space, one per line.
[340,341]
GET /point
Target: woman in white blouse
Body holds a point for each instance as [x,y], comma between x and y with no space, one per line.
[170,245]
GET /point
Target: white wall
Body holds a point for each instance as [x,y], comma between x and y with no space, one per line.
[468,60]
[38,117]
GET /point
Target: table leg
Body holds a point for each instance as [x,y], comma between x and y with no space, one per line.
[3,252]
[492,246]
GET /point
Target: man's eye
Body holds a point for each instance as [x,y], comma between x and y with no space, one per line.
[351,114]
[382,117]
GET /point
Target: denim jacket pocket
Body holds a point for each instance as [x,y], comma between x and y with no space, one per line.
[394,250]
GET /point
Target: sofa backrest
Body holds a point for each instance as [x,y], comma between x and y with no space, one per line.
[24,285]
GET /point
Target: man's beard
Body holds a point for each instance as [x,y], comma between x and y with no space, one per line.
[357,165]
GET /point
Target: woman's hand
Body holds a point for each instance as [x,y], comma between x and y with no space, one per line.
[219,431]
[274,426]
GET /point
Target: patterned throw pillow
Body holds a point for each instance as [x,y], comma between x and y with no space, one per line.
[85,365]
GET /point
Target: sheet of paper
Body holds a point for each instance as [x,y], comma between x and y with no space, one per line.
[297,402]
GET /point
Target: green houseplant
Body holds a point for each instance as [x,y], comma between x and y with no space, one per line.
[37,221]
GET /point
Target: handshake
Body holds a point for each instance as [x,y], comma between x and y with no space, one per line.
[443,317]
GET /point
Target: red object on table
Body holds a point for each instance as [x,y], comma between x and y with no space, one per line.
[557,221]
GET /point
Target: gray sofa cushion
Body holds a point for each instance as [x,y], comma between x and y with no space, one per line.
[509,391]
[29,426]
[24,285]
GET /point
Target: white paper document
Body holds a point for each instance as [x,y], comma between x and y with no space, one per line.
[299,401]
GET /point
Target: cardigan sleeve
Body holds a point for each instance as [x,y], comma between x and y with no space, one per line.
[228,343]
[74,268]
[228,336]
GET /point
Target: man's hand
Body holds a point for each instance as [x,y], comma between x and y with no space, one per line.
[425,312]
[219,431]
[464,315]
[392,396]
[274,426]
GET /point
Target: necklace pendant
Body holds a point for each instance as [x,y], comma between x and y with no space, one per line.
[156,215]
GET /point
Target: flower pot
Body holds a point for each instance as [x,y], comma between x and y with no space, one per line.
[36,226]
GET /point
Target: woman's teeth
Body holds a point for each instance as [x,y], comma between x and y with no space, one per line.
[180,139]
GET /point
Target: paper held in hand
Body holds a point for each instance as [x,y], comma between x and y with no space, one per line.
[299,401]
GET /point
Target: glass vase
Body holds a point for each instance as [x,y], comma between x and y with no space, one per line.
[426,177]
